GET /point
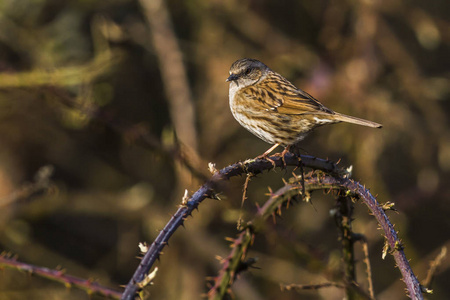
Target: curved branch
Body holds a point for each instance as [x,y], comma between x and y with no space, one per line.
[334,179]
[411,281]
[207,191]
[233,263]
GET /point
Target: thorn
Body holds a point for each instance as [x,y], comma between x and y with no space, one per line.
[148,279]
[388,206]
[426,290]
[279,210]
[398,246]
[385,249]
[229,239]
[297,177]
[185,198]
[212,168]
[215,196]
[68,285]
[143,247]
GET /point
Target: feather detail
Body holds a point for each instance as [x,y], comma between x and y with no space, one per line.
[355,120]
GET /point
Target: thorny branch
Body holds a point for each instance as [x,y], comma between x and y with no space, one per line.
[235,262]
[90,286]
[207,191]
[343,217]
[232,264]
[331,178]
[413,286]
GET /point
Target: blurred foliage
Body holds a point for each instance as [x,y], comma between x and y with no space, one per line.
[81,82]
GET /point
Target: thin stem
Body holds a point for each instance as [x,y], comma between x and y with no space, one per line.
[369,270]
[88,285]
[343,218]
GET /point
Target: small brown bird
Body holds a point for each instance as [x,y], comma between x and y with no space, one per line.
[273,109]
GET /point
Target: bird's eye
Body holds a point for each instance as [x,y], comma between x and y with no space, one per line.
[248,71]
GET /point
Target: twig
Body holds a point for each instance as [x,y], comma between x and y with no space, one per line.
[433,267]
[361,238]
[41,184]
[343,218]
[244,197]
[368,268]
[231,265]
[89,285]
[298,287]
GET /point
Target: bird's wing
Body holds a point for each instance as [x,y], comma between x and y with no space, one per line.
[277,94]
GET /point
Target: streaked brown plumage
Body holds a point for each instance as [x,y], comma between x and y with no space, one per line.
[273,109]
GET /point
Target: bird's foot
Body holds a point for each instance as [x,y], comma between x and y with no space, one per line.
[266,157]
[282,154]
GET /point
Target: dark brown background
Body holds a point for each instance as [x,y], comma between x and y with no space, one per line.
[82,81]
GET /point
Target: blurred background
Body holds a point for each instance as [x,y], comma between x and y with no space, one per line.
[109,110]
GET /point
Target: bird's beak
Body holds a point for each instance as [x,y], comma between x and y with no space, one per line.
[232,77]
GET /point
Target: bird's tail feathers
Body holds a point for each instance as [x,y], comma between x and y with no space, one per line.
[354,120]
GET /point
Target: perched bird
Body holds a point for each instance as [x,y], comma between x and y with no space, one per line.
[273,109]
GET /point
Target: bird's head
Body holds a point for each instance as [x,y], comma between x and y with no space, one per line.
[247,71]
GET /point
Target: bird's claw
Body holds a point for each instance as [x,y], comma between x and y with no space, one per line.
[266,157]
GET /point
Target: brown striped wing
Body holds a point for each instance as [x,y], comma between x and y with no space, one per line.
[275,93]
